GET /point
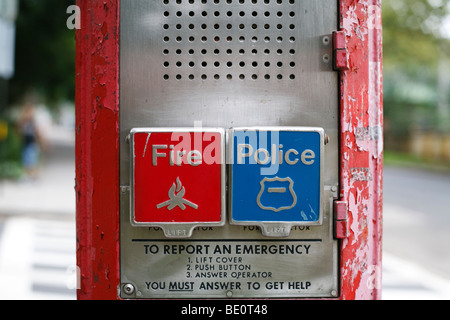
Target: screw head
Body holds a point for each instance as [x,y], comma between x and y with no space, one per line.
[128,288]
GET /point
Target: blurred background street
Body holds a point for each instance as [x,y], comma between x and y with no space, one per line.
[37,141]
[37,227]
[416,237]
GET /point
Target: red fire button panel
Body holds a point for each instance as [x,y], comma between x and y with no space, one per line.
[178,179]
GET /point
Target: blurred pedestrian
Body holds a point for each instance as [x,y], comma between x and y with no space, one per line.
[31,140]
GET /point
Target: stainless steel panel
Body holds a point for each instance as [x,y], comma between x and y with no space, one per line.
[228,63]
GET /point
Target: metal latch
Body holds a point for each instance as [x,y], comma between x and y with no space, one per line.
[340,53]
[340,219]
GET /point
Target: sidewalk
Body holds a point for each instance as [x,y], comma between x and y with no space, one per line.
[51,193]
[37,259]
[37,227]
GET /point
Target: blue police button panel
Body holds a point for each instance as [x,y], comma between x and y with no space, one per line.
[276,177]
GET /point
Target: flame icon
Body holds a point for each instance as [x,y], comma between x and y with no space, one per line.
[176,194]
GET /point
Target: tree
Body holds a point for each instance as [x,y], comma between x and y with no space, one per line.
[413,48]
[45,52]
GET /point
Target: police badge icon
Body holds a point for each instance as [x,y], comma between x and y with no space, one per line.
[283,198]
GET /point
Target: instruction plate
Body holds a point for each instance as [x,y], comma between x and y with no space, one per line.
[229,262]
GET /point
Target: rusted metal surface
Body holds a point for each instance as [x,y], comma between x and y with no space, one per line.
[97,149]
[362,149]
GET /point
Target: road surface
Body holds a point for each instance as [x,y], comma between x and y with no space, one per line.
[417,217]
[416,233]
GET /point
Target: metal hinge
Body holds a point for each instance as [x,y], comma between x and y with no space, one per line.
[340,219]
[340,53]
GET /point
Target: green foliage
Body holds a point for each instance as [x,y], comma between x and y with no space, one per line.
[10,155]
[45,51]
[44,67]
[412,47]
[411,32]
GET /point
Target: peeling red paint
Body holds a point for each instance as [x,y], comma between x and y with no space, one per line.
[97,156]
[361,150]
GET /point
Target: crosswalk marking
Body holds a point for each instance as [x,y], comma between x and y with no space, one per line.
[37,259]
[403,280]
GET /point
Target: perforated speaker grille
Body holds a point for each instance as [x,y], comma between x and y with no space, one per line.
[228,39]
[227,62]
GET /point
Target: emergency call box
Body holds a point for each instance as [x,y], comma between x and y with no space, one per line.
[249,83]
[178,179]
[276,177]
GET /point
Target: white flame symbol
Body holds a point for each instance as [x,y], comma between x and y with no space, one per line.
[176,199]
